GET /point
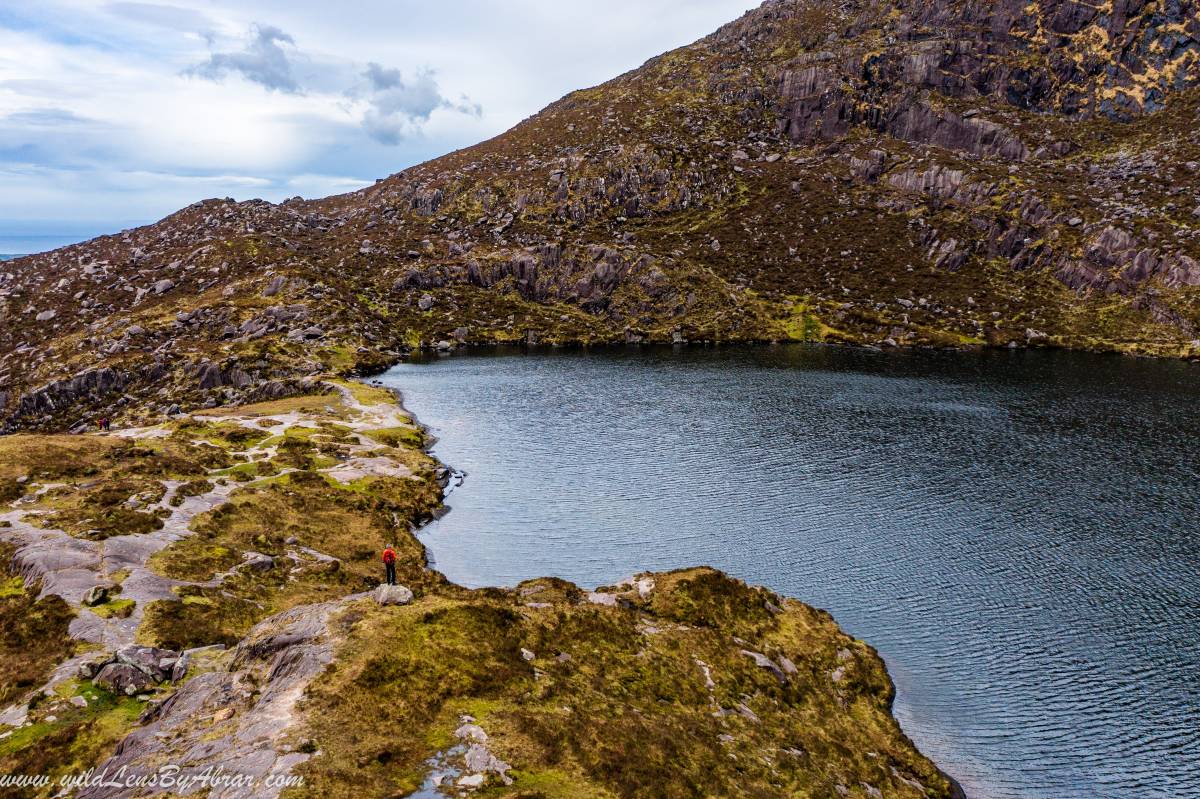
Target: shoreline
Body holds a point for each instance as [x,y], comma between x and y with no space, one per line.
[957,791]
[308,635]
[427,351]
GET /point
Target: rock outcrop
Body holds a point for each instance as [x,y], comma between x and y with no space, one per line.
[223,721]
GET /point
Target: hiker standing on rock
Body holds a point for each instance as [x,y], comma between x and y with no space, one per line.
[389,564]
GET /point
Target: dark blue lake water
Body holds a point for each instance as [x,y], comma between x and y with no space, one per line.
[1017,533]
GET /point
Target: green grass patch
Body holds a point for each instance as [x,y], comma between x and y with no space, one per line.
[77,738]
[115,609]
[226,435]
[366,394]
[397,437]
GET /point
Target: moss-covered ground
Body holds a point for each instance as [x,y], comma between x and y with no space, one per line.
[33,634]
[653,696]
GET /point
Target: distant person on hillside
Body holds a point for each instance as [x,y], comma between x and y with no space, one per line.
[389,564]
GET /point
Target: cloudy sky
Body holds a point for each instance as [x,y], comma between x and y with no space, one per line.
[113,113]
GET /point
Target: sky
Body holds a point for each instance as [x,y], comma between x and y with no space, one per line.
[118,113]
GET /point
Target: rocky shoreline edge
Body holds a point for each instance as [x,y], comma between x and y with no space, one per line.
[206,591]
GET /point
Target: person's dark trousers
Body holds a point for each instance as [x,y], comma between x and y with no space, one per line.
[391,573]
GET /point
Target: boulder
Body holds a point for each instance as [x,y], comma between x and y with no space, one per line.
[209,375]
[393,595]
[89,669]
[180,667]
[275,286]
[163,286]
[764,662]
[156,664]
[257,561]
[471,732]
[96,595]
[479,760]
[46,316]
[122,678]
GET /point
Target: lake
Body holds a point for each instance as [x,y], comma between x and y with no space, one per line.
[1016,532]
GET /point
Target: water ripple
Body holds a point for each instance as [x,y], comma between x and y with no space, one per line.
[1015,532]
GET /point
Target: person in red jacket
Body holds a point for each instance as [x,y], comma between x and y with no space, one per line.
[389,564]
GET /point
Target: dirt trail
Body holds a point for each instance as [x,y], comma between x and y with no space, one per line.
[68,566]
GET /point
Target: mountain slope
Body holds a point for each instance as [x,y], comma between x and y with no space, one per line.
[898,173]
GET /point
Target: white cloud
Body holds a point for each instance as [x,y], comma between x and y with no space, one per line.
[99,116]
[263,60]
[398,106]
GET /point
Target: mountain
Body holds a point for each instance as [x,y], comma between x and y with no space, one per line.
[951,173]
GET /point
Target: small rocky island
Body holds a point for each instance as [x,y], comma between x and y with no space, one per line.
[202,594]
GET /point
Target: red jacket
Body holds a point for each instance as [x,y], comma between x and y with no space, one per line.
[389,556]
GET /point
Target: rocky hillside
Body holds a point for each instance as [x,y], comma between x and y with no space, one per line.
[951,173]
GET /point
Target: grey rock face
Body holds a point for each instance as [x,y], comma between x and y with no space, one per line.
[282,655]
[156,664]
[210,375]
[62,394]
